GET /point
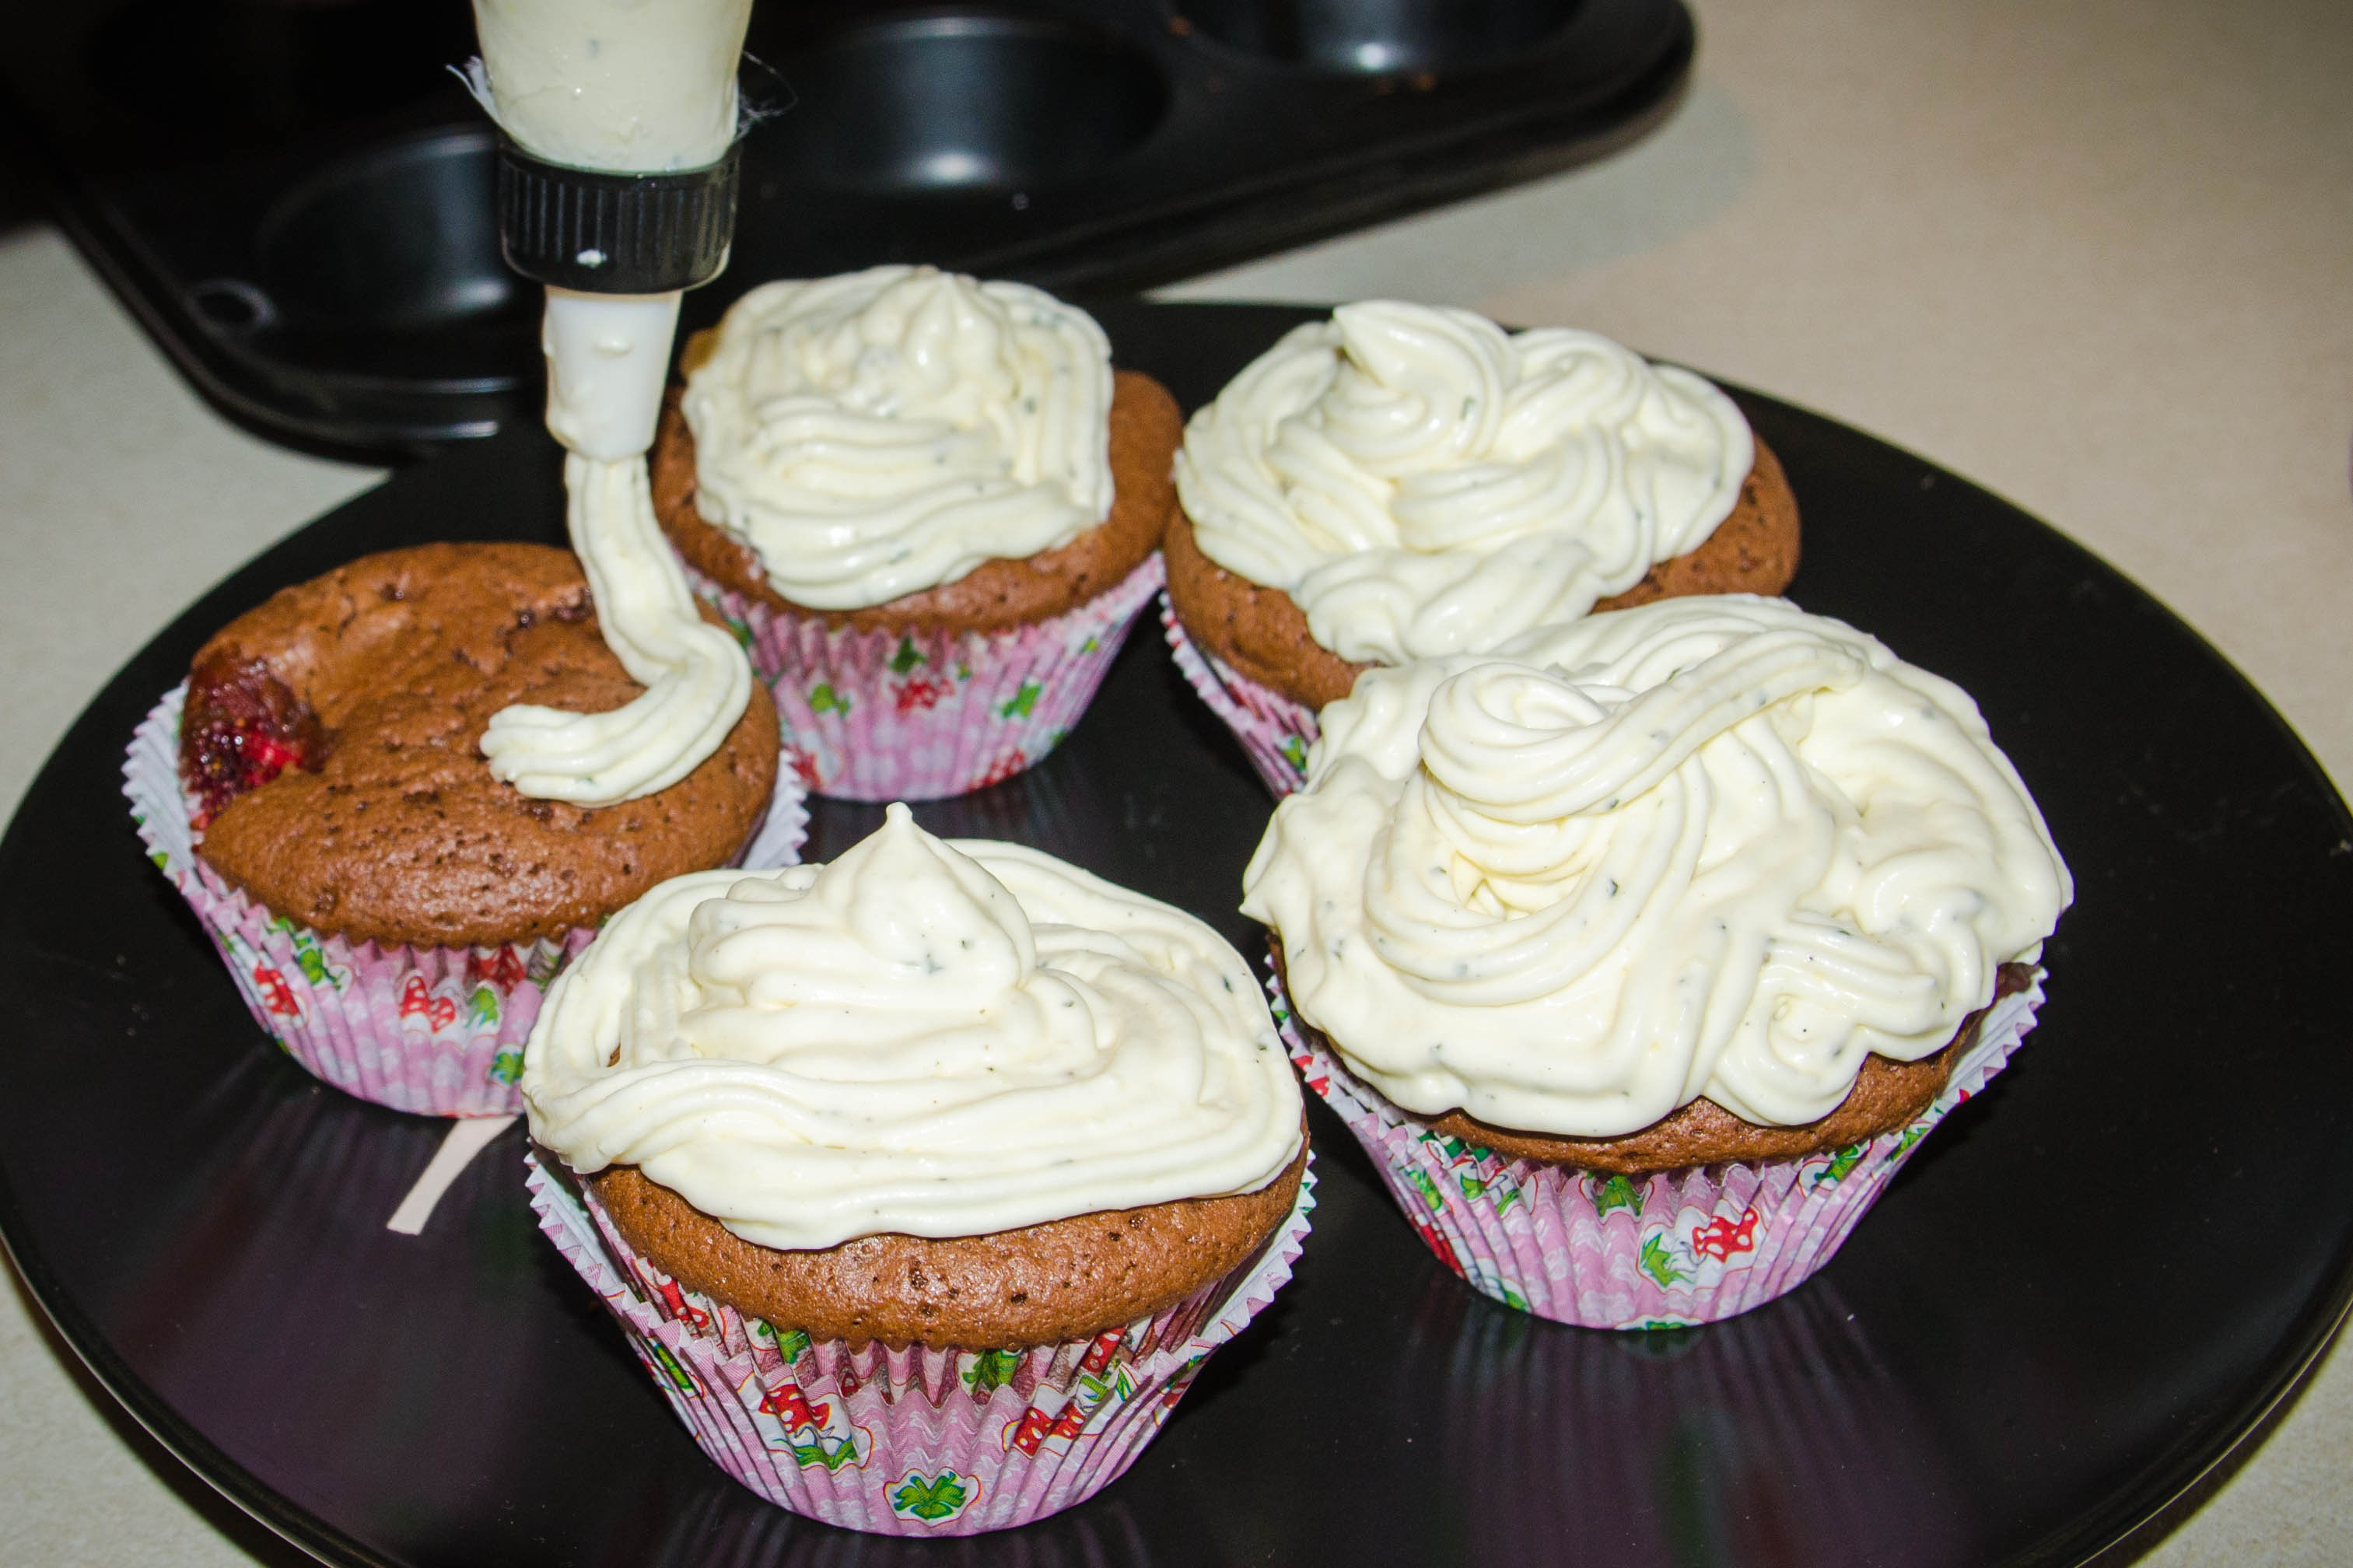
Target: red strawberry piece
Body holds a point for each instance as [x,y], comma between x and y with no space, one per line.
[242,727]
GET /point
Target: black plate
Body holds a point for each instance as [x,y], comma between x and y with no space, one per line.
[2076,1298]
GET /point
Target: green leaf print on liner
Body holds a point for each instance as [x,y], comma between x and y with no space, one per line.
[308,956]
[1018,706]
[1845,1160]
[313,965]
[991,1370]
[824,698]
[1618,1193]
[1422,1184]
[931,1499]
[822,1454]
[907,658]
[1909,1136]
[1660,1264]
[675,1370]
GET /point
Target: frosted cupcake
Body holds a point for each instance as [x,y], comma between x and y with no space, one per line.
[1640,955]
[924,1181]
[930,507]
[1407,483]
[391,910]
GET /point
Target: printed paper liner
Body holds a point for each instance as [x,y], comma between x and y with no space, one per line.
[435,1030]
[1605,1251]
[1273,729]
[884,716]
[920,1441]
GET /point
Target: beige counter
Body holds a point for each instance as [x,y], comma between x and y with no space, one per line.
[2095,256]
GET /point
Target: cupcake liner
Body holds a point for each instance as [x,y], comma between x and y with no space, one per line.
[1663,1250]
[878,715]
[435,1030]
[921,1441]
[1273,729]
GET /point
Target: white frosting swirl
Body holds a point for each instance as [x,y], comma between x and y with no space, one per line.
[696,677]
[1711,846]
[922,1037]
[1422,483]
[881,432]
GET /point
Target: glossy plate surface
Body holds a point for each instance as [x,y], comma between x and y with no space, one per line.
[2086,1287]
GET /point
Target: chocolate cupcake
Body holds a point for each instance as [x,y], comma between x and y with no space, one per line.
[391,911]
[1406,482]
[924,1181]
[930,507]
[1640,954]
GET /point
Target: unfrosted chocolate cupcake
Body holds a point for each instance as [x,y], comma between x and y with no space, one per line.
[391,910]
[1641,952]
[330,735]
[1405,482]
[932,508]
[1005,1151]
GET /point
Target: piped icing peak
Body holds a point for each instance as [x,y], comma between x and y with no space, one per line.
[1423,483]
[922,1037]
[1708,846]
[884,432]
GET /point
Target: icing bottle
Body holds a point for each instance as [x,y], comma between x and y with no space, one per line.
[616,190]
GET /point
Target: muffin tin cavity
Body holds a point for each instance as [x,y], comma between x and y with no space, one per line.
[400,240]
[296,195]
[1379,36]
[920,104]
[379,275]
[245,71]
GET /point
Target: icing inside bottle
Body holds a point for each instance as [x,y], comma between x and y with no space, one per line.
[637,86]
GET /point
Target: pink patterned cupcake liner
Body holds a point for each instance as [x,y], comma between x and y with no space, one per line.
[435,1030]
[1607,1251]
[920,1441]
[1273,729]
[885,716]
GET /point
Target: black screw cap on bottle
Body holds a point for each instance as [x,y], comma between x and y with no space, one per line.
[604,233]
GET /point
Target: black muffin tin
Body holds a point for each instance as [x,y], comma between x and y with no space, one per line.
[295,195]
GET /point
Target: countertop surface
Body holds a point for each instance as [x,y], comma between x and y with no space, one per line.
[2097,258]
